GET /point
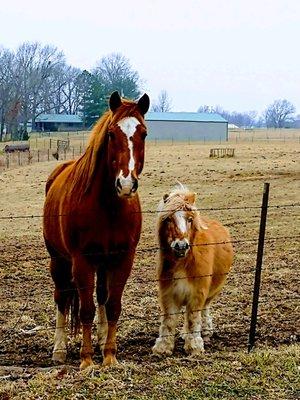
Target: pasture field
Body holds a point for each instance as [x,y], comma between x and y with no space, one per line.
[228,189]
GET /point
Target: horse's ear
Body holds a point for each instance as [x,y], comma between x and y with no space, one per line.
[165,197]
[114,101]
[144,103]
[199,223]
[190,198]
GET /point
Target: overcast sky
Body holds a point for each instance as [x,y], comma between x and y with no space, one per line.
[239,54]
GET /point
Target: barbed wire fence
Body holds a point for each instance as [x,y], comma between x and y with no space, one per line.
[153,319]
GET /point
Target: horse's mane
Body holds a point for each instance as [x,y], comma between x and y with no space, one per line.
[176,200]
[83,170]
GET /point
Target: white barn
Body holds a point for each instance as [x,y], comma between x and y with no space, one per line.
[186,126]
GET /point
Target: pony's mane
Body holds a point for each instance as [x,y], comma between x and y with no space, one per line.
[84,168]
[176,200]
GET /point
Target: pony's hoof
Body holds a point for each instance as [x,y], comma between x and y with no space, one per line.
[196,352]
[85,363]
[59,357]
[109,361]
[194,346]
[161,350]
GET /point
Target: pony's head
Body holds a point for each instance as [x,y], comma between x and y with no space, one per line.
[126,142]
[178,221]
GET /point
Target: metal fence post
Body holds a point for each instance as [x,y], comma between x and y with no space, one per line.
[259,259]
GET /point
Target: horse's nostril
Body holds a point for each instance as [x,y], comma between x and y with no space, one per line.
[135,185]
[119,183]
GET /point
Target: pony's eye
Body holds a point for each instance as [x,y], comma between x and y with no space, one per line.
[111,135]
[190,219]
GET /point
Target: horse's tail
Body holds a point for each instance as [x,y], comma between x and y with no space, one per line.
[74,308]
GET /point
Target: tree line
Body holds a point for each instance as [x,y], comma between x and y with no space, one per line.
[36,79]
[279,114]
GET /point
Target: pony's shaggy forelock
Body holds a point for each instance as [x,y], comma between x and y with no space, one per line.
[176,201]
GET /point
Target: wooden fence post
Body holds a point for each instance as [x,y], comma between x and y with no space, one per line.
[259,259]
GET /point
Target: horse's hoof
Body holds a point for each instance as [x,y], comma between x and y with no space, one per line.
[109,361]
[85,363]
[59,357]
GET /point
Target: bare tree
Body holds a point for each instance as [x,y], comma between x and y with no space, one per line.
[279,113]
[36,65]
[115,73]
[163,103]
[7,87]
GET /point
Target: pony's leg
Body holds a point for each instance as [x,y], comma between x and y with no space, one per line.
[193,340]
[207,323]
[164,344]
[117,275]
[84,276]
[102,294]
[61,274]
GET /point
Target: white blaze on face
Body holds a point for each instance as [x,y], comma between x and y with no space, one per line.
[128,126]
[181,221]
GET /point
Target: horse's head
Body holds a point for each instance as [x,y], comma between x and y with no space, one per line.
[126,143]
[178,222]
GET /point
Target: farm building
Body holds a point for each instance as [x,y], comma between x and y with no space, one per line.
[186,126]
[58,122]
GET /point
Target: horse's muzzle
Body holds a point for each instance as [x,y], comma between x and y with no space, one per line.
[180,247]
[126,187]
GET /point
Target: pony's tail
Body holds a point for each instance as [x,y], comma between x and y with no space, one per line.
[74,306]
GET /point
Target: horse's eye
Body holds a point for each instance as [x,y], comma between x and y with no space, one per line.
[111,135]
[143,135]
[190,219]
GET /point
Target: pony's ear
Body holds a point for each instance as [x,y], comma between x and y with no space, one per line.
[144,103]
[190,198]
[165,197]
[199,223]
[114,101]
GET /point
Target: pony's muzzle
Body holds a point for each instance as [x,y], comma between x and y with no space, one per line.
[180,247]
[126,187]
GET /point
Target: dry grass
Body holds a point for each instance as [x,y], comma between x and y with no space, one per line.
[225,370]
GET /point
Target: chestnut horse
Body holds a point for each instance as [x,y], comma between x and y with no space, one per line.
[92,225]
[195,258]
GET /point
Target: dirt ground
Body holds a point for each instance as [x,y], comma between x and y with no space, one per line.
[228,189]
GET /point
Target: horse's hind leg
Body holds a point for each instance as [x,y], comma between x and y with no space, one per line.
[102,294]
[84,276]
[61,274]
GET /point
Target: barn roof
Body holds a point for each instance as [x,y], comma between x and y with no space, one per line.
[59,118]
[184,116]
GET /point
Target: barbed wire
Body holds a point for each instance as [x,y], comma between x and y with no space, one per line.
[154,249]
[278,206]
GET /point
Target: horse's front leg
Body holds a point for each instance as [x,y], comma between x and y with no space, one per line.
[117,274]
[164,344]
[84,274]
